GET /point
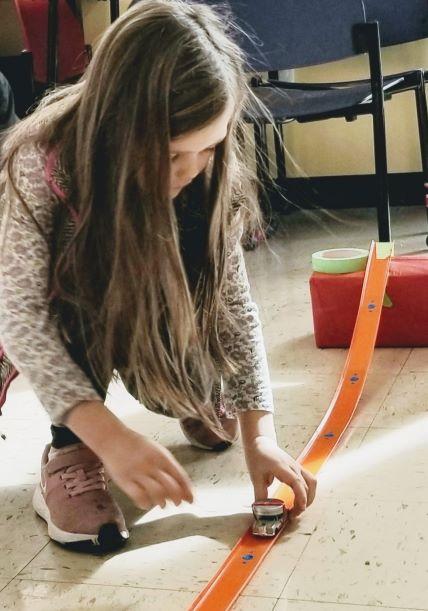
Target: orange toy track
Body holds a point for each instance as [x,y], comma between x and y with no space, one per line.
[244,559]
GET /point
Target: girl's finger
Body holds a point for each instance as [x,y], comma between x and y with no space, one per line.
[177,472]
[171,486]
[303,480]
[312,485]
[138,495]
[296,468]
[299,471]
[300,498]
[260,491]
[155,491]
[299,487]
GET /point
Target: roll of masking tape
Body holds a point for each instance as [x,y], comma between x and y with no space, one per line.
[340,260]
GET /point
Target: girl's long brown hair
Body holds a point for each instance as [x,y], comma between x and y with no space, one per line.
[163,69]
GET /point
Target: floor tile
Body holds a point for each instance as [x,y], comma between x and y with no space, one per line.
[18,466]
[173,551]
[22,536]
[390,464]
[22,404]
[28,595]
[293,438]
[274,291]
[366,554]
[254,603]
[180,548]
[291,347]
[303,398]
[48,596]
[294,605]
[406,403]
[417,361]
[277,568]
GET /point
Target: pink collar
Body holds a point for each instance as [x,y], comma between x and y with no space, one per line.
[51,168]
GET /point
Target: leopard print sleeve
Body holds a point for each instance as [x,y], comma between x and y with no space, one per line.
[28,333]
[249,388]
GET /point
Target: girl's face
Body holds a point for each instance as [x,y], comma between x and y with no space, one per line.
[192,152]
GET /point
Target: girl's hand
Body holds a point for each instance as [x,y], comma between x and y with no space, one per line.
[265,461]
[146,471]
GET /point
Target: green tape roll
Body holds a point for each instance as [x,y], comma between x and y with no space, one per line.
[340,260]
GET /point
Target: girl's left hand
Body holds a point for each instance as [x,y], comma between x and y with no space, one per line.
[265,461]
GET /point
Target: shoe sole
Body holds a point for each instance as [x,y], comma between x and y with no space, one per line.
[55,533]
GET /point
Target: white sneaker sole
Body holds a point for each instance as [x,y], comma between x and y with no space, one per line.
[55,533]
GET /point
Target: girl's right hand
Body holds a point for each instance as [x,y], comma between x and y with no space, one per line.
[146,471]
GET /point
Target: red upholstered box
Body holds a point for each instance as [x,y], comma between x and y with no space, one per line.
[335,300]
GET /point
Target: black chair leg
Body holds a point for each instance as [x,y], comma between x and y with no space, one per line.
[422,113]
[383,212]
[279,140]
[278,136]
[114,10]
[280,153]
[379,132]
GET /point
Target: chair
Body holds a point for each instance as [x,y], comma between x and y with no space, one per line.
[401,22]
[291,34]
[52,34]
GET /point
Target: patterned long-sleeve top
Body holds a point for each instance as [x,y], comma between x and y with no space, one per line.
[31,338]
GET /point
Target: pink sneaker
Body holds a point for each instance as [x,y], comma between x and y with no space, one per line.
[74,500]
[201,436]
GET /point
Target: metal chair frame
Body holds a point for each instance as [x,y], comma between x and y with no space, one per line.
[367,37]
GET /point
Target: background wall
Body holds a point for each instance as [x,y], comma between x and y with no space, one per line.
[96,17]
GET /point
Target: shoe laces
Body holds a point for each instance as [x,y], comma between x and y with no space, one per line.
[80,479]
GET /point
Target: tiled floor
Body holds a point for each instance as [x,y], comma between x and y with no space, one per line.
[364,542]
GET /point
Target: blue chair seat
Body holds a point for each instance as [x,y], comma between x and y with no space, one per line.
[293,103]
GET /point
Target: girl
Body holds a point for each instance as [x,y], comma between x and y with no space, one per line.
[121,226]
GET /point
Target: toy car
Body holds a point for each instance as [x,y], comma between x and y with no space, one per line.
[270,516]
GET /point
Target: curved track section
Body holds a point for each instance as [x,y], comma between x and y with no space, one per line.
[247,555]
